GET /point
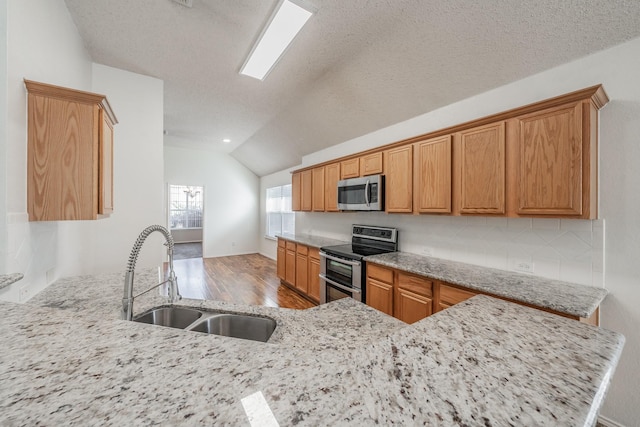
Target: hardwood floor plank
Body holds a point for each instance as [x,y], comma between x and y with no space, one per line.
[243,279]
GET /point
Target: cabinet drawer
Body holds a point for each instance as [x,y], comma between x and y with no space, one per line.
[281,243]
[380,273]
[314,253]
[350,168]
[371,164]
[291,246]
[415,284]
[302,249]
[451,296]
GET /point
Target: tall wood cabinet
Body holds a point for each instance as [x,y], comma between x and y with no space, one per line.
[69,154]
[480,170]
[317,193]
[398,179]
[432,178]
[550,158]
[331,178]
[298,267]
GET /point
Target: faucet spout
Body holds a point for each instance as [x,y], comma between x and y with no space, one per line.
[128,298]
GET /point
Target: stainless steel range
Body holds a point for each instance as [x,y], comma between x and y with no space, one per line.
[342,268]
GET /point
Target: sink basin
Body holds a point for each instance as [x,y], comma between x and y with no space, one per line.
[173,317]
[237,326]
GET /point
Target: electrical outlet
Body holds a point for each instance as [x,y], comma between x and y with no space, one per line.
[523,266]
[427,251]
[23,294]
[233,244]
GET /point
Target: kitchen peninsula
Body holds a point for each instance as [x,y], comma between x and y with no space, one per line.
[68,359]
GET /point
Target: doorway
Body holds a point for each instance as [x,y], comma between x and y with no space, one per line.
[186,217]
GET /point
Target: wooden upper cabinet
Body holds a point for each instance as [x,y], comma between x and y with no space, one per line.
[350,168]
[306,190]
[398,179]
[296,191]
[432,177]
[105,199]
[318,189]
[69,154]
[331,178]
[549,161]
[480,170]
[371,164]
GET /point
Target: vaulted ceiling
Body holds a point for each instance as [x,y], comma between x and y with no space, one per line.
[357,65]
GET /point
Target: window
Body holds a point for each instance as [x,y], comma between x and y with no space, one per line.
[185,207]
[280,218]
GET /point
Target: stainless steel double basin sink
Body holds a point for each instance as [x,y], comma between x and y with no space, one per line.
[211,322]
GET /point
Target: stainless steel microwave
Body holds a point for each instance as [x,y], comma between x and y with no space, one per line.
[361,194]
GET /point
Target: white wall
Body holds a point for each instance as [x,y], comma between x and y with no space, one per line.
[92,247]
[230,198]
[3,137]
[44,45]
[268,246]
[569,250]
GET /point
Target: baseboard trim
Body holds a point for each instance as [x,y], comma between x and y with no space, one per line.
[607,422]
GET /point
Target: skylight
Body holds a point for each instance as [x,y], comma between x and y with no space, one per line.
[285,24]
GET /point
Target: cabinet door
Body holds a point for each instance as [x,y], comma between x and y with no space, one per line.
[371,164]
[549,161]
[350,168]
[314,274]
[105,178]
[398,179]
[411,307]
[331,178]
[296,192]
[450,295]
[306,190]
[380,296]
[318,189]
[481,170]
[302,273]
[281,261]
[432,179]
[290,263]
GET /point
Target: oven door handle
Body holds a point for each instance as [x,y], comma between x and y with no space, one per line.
[344,261]
[340,285]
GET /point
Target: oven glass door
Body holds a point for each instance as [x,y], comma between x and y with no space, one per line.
[334,294]
[341,272]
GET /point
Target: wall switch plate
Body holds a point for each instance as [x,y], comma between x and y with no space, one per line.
[523,266]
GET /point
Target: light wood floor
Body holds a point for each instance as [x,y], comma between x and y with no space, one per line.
[244,279]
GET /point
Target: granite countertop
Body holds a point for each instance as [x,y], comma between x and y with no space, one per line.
[9,279]
[564,297]
[313,241]
[68,359]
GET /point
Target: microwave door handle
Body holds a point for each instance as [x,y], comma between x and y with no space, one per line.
[366,194]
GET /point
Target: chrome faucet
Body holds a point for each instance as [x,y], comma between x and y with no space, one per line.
[174,294]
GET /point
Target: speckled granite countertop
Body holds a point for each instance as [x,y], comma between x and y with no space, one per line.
[313,241]
[67,359]
[9,279]
[570,298]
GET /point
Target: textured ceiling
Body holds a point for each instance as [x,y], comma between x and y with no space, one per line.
[357,65]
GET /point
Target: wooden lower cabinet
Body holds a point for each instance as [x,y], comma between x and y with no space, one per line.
[450,295]
[290,263]
[281,260]
[380,295]
[411,307]
[314,274]
[302,269]
[413,297]
[298,267]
